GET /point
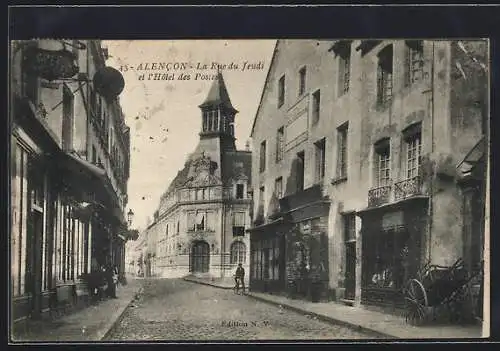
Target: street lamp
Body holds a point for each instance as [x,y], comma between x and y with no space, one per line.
[130,216]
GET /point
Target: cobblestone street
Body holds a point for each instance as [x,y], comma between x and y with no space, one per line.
[171,309]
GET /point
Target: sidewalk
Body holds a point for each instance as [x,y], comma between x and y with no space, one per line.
[372,322]
[89,324]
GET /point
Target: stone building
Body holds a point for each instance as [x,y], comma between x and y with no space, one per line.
[69,153]
[357,146]
[199,226]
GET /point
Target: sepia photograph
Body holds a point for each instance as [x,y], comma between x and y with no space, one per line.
[248,190]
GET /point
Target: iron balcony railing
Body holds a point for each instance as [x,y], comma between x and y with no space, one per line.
[380,195]
[396,192]
[407,188]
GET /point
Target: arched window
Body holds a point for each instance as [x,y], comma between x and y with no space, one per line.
[238,252]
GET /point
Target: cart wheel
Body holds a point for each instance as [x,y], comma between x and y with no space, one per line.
[416,302]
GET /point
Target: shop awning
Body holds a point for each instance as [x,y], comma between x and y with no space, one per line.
[471,165]
[304,205]
[264,226]
[93,180]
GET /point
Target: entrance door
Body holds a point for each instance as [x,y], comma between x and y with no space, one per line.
[35,262]
[200,257]
[350,270]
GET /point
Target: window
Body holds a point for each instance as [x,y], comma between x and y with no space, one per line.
[240,191]
[210,120]
[263,156]
[320,160]
[261,195]
[278,187]
[349,227]
[384,75]
[300,171]
[266,260]
[178,227]
[387,259]
[200,221]
[383,155]
[280,144]
[316,106]
[413,146]
[238,223]
[302,81]
[281,91]
[20,214]
[342,151]
[344,68]
[67,124]
[414,61]
[166,231]
[238,252]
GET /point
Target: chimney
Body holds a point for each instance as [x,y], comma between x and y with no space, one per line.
[247,145]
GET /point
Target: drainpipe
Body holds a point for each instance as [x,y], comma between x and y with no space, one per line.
[431,115]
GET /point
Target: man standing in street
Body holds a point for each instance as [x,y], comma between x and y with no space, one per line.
[240,276]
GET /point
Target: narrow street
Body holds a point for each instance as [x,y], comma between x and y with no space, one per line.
[173,309]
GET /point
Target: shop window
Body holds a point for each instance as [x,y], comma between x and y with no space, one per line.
[389,259]
[384,75]
[238,253]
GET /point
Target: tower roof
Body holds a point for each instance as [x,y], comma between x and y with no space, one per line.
[218,94]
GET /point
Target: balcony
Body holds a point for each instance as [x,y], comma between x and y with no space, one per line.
[407,188]
[379,196]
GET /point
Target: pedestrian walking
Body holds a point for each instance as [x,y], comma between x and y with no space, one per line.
[240,278]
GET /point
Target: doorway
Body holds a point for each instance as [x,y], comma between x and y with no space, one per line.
[350,270]
[200,257]
[35,262]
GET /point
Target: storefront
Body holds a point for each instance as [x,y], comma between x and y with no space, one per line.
[392,249]
[472,182]
[32,192]
[289,254]
[267,257]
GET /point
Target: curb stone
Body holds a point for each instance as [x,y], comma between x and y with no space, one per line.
[117,317]
[327,319]
[207,283]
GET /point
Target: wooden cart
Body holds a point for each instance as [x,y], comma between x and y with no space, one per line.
[438,289]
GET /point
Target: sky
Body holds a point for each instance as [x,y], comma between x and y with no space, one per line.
[163,115]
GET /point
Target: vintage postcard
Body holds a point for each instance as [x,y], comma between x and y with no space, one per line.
[230,190]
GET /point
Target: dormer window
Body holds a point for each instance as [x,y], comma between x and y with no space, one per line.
[240,191]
